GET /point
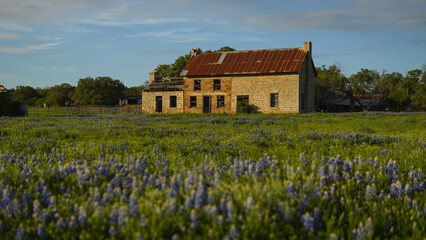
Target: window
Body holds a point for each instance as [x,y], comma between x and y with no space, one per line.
[244,99]
[216,84]
[172,101]
[197,85]
[193,101]
[220,101]
[274,99]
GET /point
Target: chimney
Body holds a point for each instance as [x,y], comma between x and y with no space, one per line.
[307,46]
[153,76]
[195,52]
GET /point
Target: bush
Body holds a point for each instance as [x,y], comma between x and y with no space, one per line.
[243,108]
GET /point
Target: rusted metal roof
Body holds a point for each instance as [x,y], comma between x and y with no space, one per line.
[246,62]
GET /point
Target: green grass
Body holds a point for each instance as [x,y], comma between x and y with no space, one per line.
[231,172]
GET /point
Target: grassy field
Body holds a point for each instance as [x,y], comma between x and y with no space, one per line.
[132,176]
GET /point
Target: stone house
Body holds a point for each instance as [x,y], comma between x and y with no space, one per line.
[270,81]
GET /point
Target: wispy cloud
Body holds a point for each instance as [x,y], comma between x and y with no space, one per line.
[66,69]
[158,51]
[67,55]
[29,49]
[8,36]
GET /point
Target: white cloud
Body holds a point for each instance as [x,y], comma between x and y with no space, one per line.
[67,55]
[158,51]
[8,36]
[29,49]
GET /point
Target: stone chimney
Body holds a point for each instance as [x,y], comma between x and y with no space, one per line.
[307,46]
[153,76]
[195,52]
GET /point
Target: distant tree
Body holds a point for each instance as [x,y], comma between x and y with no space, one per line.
[330,84]
[174,69]
[134,91]
[26,94]
[99,91]
[60,95]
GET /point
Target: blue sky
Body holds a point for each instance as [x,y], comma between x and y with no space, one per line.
[49,42]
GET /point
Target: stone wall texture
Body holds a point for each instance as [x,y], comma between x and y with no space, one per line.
[149,102]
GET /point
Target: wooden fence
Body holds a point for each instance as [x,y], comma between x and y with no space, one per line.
[74,110]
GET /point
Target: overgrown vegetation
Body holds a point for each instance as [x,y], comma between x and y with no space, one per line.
[298,176]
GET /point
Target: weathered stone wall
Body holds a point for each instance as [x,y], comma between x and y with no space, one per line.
[259,89]
[149,104]
[207,90]
[306,84]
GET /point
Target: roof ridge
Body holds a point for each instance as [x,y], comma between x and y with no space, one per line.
[254,50]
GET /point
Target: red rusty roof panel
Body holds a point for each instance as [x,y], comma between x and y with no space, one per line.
[246,62]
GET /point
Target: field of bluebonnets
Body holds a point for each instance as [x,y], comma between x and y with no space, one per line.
[328,176]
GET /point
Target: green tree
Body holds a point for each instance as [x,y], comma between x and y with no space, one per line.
[60,95]
[134,91]
[330,84]
[26,94]
[99,91]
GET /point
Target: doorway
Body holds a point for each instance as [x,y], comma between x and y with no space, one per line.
[207,104]
[158,104]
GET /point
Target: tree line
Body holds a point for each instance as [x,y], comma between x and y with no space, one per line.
[89,91]
[399,92]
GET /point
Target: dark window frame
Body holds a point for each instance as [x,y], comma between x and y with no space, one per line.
[193,101]
[216,84]
[197,85]
[274,100]
[173,102]
[220,102]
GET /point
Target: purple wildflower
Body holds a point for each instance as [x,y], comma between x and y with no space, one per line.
[194,220]
[370,192]
[233,232]
[20,232]
[112,231]
[41,231]
[308,222]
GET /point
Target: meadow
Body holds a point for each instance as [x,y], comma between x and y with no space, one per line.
[133,176]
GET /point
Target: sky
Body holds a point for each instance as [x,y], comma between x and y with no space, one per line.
[49,42]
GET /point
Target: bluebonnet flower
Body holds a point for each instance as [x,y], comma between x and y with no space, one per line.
[133,205]
[290,189]
[41,231]
[363,231]
[229,210]
[249,202]
[219,220]
[200,198]
[408,190]
[233,233]
[370,192]
[194,220]
[20,232]
[317,217]
[72,222]
[122,216]
[142,221]
[82,216]
[333,236]
[308,222]
[303,160]
[396,190]
[112,231]
[61,223]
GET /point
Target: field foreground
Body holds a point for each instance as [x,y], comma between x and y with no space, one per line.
[327,176]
